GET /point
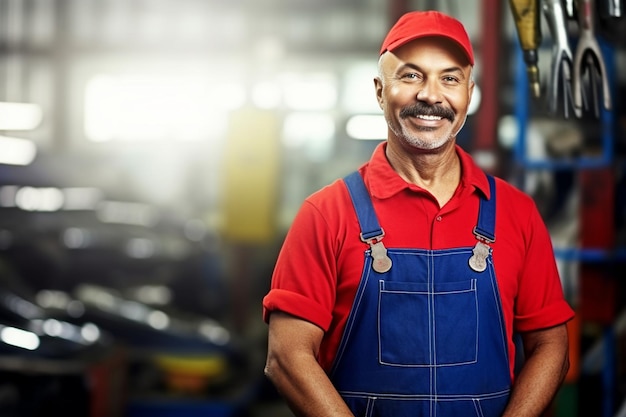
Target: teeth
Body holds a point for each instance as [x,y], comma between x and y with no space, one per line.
[421,116]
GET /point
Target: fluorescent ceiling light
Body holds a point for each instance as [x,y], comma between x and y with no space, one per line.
[16,151]
[19,338]
[39,199]
[367,127]
[20,116]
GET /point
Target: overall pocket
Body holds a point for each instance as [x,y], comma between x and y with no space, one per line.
[423,324]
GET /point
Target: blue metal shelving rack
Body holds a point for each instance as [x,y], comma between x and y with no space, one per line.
[604,159]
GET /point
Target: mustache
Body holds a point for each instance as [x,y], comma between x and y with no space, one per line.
[419,108]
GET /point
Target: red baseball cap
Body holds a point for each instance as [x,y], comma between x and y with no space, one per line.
[420,24]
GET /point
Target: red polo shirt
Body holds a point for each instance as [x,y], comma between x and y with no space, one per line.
[320,264]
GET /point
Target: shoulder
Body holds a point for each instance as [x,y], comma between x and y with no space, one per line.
[328,210]
[513,198]
[330,199]
[518,216]
[336,189]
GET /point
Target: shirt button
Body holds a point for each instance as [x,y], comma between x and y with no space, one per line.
[438,218]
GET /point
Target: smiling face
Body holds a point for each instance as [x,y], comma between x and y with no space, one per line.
[424,89]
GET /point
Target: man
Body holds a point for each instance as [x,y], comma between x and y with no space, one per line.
[399,288]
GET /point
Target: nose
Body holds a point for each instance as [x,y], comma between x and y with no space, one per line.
[429,92]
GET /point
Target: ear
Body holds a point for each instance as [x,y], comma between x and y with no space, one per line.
[378,85]
[471,88]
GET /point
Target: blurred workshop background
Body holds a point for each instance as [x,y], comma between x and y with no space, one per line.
[154,152]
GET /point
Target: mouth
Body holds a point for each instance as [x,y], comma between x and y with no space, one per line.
[427,113]
[428,118]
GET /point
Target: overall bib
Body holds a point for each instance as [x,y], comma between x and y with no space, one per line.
[425,336]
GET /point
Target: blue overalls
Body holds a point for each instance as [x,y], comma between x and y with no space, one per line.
[425,336]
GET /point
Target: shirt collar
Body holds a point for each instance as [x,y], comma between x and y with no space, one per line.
[384,182]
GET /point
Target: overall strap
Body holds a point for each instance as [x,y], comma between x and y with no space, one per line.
[370,228]
[486,227]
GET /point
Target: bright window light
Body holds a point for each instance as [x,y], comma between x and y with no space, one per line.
[359,95]
[16,151]
[266,95]
[302,128]
[20,116]
[155,108]
[367,127]
[310,92]
[313,132]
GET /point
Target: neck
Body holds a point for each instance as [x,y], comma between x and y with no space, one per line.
[437,171]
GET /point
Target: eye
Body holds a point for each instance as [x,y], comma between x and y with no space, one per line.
[410,76]
[450,79]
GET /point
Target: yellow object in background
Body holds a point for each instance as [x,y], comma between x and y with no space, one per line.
[191,374]
[250,176]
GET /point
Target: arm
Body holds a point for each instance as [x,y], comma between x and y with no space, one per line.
[293,368]
[545,367]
